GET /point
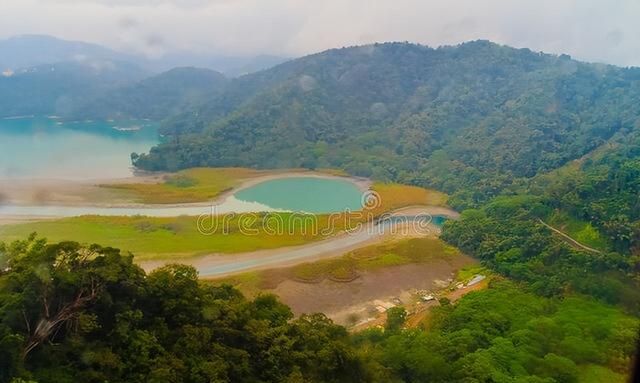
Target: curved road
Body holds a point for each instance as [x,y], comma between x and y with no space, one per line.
[216,265]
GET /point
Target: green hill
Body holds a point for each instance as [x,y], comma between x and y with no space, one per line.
[59,88]
[475,116]
[156,97]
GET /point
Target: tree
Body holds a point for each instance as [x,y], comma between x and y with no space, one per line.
[396,316]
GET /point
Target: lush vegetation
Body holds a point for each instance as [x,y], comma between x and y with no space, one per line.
[471,120]
[75,314]
[70,313]
[602,190]
[505,335]
[506,236]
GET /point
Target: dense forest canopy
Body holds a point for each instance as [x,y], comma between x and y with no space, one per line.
[75,314]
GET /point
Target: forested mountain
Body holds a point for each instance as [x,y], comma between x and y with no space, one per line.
[477,114]
[105,90]
[57,89]
[231,66]
[157,97]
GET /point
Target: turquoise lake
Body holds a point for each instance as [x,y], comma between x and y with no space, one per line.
[46,148]
[305,194]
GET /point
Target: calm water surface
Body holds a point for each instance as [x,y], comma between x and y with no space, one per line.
[37,148]
[307,194]
[46,148]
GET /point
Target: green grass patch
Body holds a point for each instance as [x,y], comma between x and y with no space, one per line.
[310,272]
[394,196]
[250,283]
[174,237]
[466,273]
[581,231]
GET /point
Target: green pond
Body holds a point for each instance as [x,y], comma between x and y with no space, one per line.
[48,148]
[305,194]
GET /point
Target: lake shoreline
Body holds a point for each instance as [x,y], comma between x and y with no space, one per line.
[60,194]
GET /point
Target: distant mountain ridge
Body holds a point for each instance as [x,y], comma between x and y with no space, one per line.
[156,97]
[44,75]
[33,50]
[57,89]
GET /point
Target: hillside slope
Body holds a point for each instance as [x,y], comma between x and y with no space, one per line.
[156,97]
[58,88]
[475,115]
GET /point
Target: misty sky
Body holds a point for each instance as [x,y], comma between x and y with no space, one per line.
[593,30]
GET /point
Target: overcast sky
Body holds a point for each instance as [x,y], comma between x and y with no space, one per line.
[593,30]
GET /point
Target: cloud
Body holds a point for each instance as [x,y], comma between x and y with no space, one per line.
[135,3]
[592,30]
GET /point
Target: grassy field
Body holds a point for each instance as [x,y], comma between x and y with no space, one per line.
[191,185]
[162,238]
[394,196]
[349,266]
[581,231]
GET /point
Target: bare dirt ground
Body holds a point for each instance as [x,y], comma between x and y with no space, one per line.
[68,192]
[340,301]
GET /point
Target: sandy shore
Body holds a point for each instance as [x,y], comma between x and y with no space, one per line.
[68,192]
